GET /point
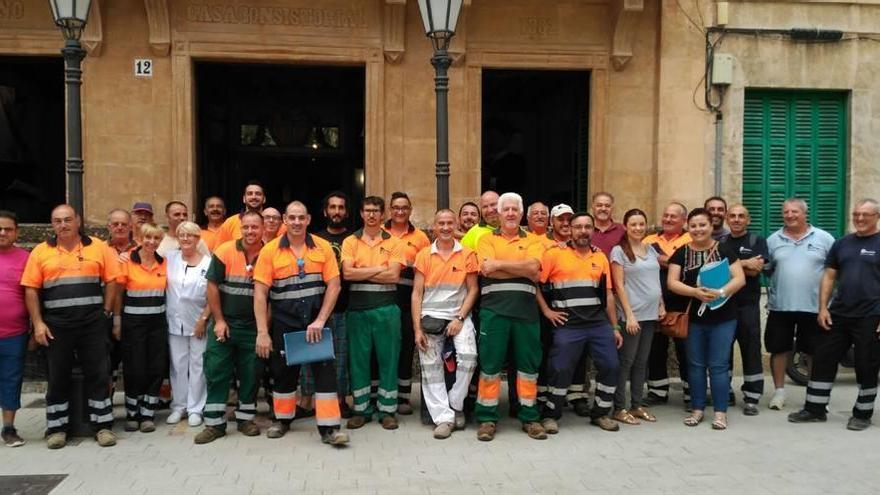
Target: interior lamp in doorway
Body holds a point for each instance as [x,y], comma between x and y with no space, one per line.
[440,18]
[70,16]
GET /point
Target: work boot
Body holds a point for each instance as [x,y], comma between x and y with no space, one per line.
[335,438]
[858,424]
[131,425]
[147,426]
[56,440]
[404,408]
[357,421]
[277,430]
[389,423]
[750,409]
[534,430]
[605,423]
[249,429]
[655,400]
[486,432]
[208,435]
[460,420]
[550,426]
[443,431]
[804,416]
[581,407]
[105,438]
[11,438]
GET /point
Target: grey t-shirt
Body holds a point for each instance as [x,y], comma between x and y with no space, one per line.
[641,279]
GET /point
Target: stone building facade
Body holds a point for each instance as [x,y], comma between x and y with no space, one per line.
[649,137]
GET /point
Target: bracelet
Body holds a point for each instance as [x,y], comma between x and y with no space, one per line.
[616,327]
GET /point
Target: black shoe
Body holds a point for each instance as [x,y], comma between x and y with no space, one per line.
[858,424]
[655,400]
[750,409]
[344,410]
[581,407]
[303,413]
[804,416]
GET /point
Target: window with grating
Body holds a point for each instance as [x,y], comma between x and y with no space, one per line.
[794,144]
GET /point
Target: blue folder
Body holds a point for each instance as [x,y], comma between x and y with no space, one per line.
[298,351]
[714,275]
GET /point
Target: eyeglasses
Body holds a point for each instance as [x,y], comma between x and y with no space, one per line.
[372,212]
[185,235]
[400,209]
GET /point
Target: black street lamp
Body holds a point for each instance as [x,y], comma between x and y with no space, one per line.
[440,18]
[71,16]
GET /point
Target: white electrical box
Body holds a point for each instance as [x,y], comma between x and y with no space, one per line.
[722,69]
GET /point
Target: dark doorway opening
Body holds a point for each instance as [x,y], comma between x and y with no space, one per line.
[535,134]
[31,136]
[299,130]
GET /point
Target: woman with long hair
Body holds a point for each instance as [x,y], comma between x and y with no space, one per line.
[635,270]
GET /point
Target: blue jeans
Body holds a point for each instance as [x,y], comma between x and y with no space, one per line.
[12,353]
[708,348]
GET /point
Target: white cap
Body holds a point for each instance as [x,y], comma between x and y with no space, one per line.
[560,209]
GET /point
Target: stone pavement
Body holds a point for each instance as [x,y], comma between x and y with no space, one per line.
[756,455]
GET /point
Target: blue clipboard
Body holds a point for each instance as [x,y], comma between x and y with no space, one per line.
[714,275]
[298,351]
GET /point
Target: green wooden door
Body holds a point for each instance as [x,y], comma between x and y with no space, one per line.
[794,145]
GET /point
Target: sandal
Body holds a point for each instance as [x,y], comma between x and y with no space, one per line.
[720,422]
[643,413]
[694,419]
[624,416]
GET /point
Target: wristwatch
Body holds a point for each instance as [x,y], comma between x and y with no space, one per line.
[459,318]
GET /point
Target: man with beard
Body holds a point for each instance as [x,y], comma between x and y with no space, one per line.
[254,198]
[468,216]
[536,218]
[666,243]
[336,214]
[607,233]
[717,207]
[491,220]
[231,351]
[215,212]
[577,274]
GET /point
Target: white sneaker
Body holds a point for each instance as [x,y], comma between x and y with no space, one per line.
[195,419]
[778,401]
[174,417]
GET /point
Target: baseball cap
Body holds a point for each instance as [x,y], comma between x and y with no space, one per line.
[560,209]
[140,206]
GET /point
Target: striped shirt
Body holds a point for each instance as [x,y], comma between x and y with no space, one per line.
[445,280]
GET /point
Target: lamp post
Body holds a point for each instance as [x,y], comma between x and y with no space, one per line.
[439,18]
[71,16]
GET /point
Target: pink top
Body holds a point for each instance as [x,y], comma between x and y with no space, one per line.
[13,312]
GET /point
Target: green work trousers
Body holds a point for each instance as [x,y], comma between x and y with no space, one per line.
[376,331]
[236,356]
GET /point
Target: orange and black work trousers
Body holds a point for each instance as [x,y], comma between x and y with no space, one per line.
[145,362]
[88,342]
[285,379]
[497,332]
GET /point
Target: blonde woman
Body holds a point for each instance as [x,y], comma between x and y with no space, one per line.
[187,313]
[141,305]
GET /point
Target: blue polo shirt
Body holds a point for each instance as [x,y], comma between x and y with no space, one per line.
[795,270]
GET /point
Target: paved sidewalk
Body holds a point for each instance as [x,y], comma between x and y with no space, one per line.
[756,455]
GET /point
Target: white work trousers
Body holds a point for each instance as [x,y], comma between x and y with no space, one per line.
[442,404]
[188,388]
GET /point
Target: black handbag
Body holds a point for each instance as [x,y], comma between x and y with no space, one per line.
[434,326]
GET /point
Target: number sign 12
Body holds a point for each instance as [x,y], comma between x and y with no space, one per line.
[143,67]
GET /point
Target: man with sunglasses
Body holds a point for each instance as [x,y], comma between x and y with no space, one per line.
[371,262]
[297,278]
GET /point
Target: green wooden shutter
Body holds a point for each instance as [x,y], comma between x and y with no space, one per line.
[794,144]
